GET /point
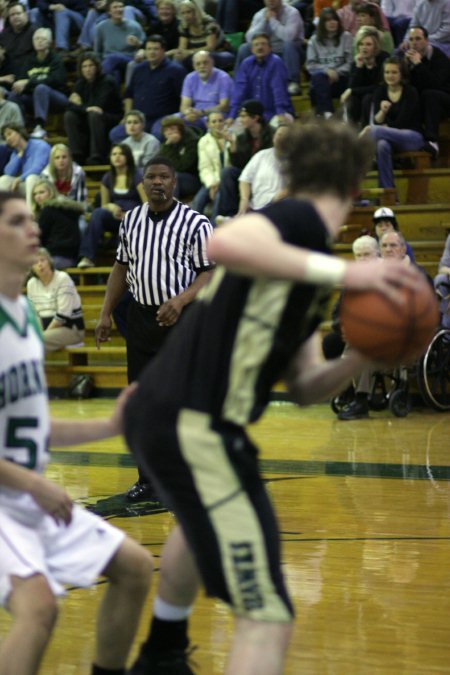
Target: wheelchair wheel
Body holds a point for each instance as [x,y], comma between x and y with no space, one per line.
[434,372]
[399,403]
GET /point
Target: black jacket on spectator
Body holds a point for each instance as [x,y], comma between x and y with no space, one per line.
[169,32]
[405,113]
[103,92]
[58,222]
[364,80]
[432,73]
[50,71]
[18,46]
[245,146]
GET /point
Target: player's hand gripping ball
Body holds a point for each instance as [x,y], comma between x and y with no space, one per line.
[386,332]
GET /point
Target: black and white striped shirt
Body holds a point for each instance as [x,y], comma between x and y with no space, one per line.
[164,254]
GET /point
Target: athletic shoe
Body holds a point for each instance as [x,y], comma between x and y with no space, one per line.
[38,132]
[433,148]
[172,662]
[356,410]
[86,262]
[141,492]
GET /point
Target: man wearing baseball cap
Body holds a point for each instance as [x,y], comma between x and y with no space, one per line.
[384,220]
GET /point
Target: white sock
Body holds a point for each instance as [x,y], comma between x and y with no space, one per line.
[167,612]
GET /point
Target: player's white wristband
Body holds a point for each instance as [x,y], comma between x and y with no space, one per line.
[324,270]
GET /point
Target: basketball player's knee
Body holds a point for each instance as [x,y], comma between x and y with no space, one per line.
[136,570]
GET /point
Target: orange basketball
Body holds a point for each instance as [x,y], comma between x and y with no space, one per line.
[387,332]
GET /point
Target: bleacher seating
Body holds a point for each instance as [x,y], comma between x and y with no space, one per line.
[422,213]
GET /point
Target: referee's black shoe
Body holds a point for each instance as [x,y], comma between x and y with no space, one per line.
[171,662]
[141,492]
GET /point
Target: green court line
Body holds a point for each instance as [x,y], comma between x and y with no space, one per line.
[296,468]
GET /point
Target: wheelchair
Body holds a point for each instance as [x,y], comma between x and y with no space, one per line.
[392,389]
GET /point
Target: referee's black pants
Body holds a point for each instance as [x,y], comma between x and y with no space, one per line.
[144,339]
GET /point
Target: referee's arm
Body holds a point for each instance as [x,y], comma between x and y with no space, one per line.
[170,311]
[115,288]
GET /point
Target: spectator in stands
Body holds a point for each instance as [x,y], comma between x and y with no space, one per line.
[365,73]
[255,135]
[434,16]
[94,107]
[154,88]
[368,14]
[165,24]
[349,18]
[261,180]
[63,17]
[263,76]
[197,31]
[162,282]
[398,13]
[10,113]
[28,158]
[328,61]
[213,156]
[396,119]
[384,220]
[117,40]
[66,175]
[429,73]
[284,26]
[231,13]
[120,191]
[180,148]
[442,285]
[57,217]
[205,90]
[143,146]
[392,247]
[16,38]
[7,75]
[41,87]
[96,15]
[57,304]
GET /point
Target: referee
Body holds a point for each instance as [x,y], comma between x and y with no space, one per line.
[162,260]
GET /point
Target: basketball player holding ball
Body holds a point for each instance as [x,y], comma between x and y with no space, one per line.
[253,324]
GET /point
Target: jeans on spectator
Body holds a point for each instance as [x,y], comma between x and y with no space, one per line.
[435,107]
[187,184]
[41,100]
[399,26]
[322,91]
[229,12]
[63,22]
[202,198]
[290,54]
[389,140]
[228,200]
[101,220]
[115,65]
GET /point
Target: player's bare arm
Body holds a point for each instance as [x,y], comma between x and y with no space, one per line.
[74,432]
[311,379]
[251,246]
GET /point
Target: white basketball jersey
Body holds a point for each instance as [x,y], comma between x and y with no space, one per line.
[24,416]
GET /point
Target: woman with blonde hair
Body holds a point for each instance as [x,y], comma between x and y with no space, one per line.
[58,219]
[66,175]
[199,31]
[366,72]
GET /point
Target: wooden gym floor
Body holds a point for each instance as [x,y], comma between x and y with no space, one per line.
[364,514]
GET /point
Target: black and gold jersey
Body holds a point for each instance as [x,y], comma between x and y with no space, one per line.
[236,340]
